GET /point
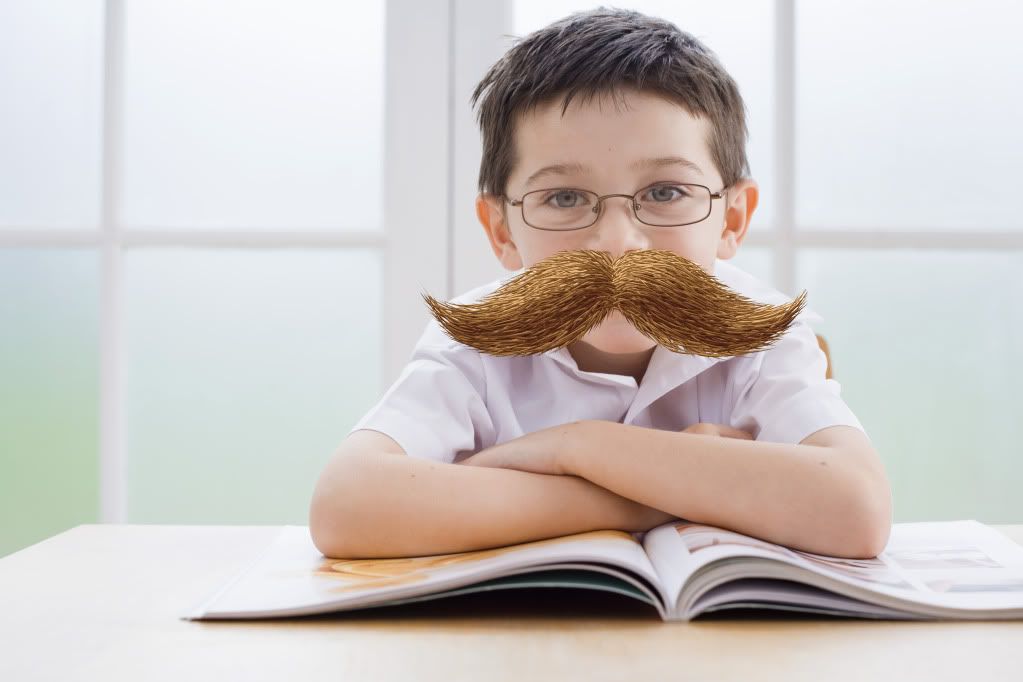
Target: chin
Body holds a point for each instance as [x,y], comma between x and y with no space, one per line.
[617,336]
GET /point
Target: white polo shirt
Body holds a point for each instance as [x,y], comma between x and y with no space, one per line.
[452,401]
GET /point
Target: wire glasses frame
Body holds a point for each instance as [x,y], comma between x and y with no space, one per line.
[634,202]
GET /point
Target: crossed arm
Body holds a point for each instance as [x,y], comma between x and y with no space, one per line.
[828,494]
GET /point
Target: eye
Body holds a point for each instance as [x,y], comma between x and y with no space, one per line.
[666,193]
[565,198]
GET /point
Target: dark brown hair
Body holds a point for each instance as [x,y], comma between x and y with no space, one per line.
[603,52]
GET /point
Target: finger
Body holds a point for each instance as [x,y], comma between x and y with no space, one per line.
[702,428]
[729,432]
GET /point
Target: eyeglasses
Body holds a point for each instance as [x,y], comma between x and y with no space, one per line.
[661,205]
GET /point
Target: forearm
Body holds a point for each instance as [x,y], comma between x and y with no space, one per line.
[803,496]
[368,506]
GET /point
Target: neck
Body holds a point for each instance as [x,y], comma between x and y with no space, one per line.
[591,359]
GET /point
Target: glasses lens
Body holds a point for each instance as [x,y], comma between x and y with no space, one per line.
[559,209]
[673,204]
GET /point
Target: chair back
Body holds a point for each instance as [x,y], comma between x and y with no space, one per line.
[824,347]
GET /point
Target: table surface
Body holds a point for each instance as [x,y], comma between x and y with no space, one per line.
[103,602]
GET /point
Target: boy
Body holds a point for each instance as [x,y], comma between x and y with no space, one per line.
[618,115]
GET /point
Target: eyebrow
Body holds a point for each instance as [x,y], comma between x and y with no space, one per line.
[569,168]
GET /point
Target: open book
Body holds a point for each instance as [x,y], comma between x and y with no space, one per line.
[943,570]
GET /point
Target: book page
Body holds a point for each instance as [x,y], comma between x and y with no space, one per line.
[958,564]
[679,548]
[953,564]
[292,577]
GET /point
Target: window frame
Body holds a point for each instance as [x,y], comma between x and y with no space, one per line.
[414,243]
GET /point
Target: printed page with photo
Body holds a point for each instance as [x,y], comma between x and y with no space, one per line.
[293,578]
[950,565]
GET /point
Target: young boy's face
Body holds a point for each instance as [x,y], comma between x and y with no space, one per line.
[606,149]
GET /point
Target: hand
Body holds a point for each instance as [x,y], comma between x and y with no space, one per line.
[546,451]
[721,430]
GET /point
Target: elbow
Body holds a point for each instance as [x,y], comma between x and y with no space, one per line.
[332,508]
[352,513]
[874,540]
[858,524]
[875,502]
[878,541]
[325,529]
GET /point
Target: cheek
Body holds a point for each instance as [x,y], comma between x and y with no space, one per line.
[542,245]
[697,246]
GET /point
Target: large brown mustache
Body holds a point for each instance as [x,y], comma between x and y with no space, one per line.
[668,298]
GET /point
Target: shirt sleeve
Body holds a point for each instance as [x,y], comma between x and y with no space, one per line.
[784,395]
[436,408]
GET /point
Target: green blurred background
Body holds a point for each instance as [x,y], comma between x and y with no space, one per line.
[239,381]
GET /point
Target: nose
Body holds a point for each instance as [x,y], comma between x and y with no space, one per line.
[617,230]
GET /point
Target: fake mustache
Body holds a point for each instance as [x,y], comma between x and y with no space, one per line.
[666,297]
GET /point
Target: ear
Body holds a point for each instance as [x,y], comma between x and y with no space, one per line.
[490,211]
[740,203]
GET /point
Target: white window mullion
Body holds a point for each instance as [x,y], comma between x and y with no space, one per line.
[113,488]
[478,27]
[50,238]
[417,159]
[785,146]
[241,238]
[893,238]
[253,239]
[874,237]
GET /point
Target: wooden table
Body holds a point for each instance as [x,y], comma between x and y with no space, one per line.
[102,602]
